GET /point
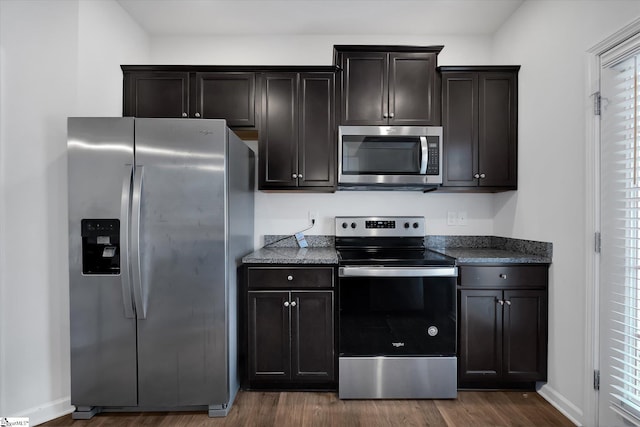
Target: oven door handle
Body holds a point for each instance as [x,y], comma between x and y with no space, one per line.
[398,271]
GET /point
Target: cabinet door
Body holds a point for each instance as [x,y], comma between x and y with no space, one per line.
[269,339]
[480,335]
[229,96]
[413,97]
[364,95]
[460,129]
[317,139]
[497,138]
[525,335]
[278,140]
[312,332]
[156,94]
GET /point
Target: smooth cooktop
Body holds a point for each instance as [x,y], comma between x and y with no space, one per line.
[393,257]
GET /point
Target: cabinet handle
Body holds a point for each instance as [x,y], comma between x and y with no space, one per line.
[501,302]
[293,303]
[483,175]
[391,115]
[197,114]
[503,276]
[289,278]
[295,175]
[385,116]
[299,175]
[184,114]
[508,302]
[476,175]
[286,303]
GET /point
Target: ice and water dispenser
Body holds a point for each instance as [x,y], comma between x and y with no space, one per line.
[100,246]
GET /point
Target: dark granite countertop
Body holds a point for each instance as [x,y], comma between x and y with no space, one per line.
[491,249]
[292,255]
[491,256]
[465,249]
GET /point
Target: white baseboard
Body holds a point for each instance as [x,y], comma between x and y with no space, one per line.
[48,411]
[561,403]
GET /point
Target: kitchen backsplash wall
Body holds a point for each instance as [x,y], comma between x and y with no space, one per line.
[288,213]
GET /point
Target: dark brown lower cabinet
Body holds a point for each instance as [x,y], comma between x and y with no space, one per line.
[290,332]
[291,336]
[502,335]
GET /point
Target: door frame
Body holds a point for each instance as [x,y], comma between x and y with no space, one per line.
[592,217]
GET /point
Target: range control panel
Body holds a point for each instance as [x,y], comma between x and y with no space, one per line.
[379,224]
[388,226]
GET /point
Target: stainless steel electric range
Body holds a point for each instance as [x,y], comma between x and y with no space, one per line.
[397,311]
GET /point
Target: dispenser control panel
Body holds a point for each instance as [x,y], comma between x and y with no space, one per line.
[100,246]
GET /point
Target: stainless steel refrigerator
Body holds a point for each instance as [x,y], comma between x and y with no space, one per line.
[160,213]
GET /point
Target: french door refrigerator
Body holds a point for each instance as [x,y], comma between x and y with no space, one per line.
[160,213]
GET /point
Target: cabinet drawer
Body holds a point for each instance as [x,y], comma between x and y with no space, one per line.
[290,277]
[504,276]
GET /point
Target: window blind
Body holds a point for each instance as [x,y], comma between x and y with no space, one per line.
[620,230]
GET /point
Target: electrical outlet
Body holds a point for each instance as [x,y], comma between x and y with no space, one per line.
[313,216]
[452,218]
[462,218]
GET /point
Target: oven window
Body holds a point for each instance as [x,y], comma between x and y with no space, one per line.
[397,316]
[372,155]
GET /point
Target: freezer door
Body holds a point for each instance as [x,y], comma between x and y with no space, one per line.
[182,335]
[103,329]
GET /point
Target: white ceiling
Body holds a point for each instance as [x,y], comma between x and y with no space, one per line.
[343,17]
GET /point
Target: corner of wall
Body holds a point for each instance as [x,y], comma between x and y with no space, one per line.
[563,405]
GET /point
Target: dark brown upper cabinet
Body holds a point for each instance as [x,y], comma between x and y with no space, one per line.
[156,94]
[480,128]
[226,95]
[191,92]
[388,85]
[297,142]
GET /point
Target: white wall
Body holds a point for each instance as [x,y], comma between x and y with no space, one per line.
[550,40]
[58,59]
[108,37]
[284,213]
[303,49]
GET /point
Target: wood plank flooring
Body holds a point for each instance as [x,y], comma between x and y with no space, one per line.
[284,409]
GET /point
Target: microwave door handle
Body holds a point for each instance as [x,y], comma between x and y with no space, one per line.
[425,155]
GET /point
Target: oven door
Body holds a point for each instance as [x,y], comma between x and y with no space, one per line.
[386,155]
[397,333]
[403,311]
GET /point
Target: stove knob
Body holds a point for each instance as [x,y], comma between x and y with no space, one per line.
[406,225]
[344,225]
[415,225]
[353,225]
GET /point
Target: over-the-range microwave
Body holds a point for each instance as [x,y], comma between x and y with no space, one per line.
[389,157]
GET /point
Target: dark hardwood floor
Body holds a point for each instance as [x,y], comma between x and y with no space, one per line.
[282,409]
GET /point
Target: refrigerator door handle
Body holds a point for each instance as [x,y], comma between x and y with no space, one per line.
[138,294]
[125,274]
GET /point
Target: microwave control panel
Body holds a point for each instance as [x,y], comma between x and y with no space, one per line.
[433,159]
